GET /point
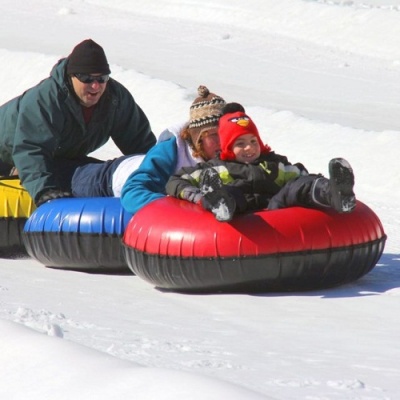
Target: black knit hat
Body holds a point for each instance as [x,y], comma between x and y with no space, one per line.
[88,58]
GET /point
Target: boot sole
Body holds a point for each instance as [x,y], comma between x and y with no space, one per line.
[222,204]
[342,183]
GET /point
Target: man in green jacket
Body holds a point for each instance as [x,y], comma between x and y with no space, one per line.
[49,130]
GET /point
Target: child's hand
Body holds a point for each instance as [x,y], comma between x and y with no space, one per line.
[192,194]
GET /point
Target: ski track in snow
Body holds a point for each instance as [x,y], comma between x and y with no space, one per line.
[195,354]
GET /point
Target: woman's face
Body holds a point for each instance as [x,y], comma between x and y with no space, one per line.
[210,143]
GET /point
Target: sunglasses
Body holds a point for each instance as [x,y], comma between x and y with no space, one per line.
[86,78]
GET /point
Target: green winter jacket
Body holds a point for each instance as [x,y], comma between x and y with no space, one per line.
[46,123]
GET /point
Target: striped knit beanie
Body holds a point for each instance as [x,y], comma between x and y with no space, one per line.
[205,112]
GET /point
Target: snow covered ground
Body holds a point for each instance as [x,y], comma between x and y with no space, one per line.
[321,79]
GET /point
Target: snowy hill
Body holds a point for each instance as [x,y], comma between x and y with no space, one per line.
[321,79]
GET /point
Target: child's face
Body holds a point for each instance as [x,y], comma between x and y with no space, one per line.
[246,148]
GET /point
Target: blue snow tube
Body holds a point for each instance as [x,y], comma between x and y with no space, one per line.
[78,233]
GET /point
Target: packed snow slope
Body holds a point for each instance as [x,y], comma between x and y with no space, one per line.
[321,79]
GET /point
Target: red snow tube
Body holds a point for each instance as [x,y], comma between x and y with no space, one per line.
[176,245]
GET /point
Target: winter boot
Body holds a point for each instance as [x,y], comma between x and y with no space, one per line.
[341,180]
[215,198]
[337,192]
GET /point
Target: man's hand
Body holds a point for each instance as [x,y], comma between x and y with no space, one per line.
[51,195]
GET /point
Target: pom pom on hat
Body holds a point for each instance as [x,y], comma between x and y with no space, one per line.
[88,57]
[205,111]
[233,125]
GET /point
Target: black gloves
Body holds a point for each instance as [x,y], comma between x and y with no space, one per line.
[52,194]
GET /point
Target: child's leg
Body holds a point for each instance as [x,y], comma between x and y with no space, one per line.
[295,193]
[318,191]
[337,192]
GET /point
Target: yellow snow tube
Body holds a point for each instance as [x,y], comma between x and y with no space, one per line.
[16,206]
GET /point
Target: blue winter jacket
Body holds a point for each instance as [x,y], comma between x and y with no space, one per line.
[148,182]
[45,125]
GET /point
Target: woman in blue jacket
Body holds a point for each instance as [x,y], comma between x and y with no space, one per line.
[198,141]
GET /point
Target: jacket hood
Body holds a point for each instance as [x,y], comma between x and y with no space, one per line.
[59,75]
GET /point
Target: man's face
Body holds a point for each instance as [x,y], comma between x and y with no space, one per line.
[89,93]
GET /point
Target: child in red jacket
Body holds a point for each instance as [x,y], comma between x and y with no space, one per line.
[248,176]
